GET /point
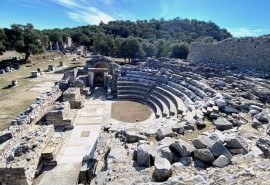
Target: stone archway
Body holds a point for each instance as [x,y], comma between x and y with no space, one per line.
[98,74]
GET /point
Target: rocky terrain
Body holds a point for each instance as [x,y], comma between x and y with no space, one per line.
[224,140]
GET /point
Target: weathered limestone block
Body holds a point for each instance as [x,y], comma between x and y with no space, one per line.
[183,148]
[133,135]
[61,115]
[264,144]
[204,155]
[74,97]
[143,158]
[221,161]
[223,124]
[4,136]
[235,141]
[202,142]
[164,152]
[163,169]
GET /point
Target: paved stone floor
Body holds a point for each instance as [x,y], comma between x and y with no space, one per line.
[80,141]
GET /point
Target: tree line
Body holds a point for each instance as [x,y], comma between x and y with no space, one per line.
[126,39]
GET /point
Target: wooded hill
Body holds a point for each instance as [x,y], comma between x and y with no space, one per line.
[127,39]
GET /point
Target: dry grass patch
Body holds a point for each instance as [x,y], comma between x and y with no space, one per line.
[130,112]
[17,99]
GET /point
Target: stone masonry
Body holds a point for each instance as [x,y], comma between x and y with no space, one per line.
[247,52]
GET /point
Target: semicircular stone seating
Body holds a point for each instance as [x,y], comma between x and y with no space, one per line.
[172,95]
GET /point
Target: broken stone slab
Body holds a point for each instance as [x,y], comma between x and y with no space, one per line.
[264,145]
[220,83]
[263,116]
[217,135]
[179,128]
[132,136]
[183,148]
[118,154]
[186,160]
[235,141]
[5,135]
[164,152]
[255,107]
[267,130]
[167,141]
[218,149]
[163,169]
[200,124]
[204,155]
[202,142]
[221,103]
[164,132]
[143,158]
[221,161]
[214,115]
[222,124]
[229,110]
[257,152]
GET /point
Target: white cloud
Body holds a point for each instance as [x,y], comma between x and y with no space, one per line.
[90,15]
[67,3]
[243,32]
[83,11]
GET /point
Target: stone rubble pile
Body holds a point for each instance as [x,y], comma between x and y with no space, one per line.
[21,159]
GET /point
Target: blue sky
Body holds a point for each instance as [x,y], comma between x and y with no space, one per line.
[240,17]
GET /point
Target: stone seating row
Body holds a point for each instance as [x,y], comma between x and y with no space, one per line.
[135,79]
[141,75]
[166,98]
[169,103]
[196,86]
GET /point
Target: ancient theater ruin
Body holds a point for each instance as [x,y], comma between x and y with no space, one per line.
[209,122]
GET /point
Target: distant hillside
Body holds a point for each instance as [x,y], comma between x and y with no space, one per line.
[127,39]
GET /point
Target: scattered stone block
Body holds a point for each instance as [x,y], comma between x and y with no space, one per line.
[51,67]
[202,142]
[235,141]
[74,97]
[35,74]
[183,148]
[164,132]
[163,169]
[221,161]
[61,63]
[164,152]
[218,149]
[132,135]
[221,103]
[222,124]
[204,155]
[264,145]
[143,157]
[14,83]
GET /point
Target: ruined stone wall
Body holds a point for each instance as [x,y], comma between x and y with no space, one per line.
[243,52]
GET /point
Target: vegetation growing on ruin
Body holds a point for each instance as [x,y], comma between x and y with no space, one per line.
[126,39]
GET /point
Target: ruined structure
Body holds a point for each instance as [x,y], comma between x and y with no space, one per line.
[210,115]
[246,52]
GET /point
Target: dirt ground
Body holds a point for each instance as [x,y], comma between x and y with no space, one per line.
[17,99]
[131,112]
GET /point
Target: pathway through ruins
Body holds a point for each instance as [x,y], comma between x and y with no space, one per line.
[80,141]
